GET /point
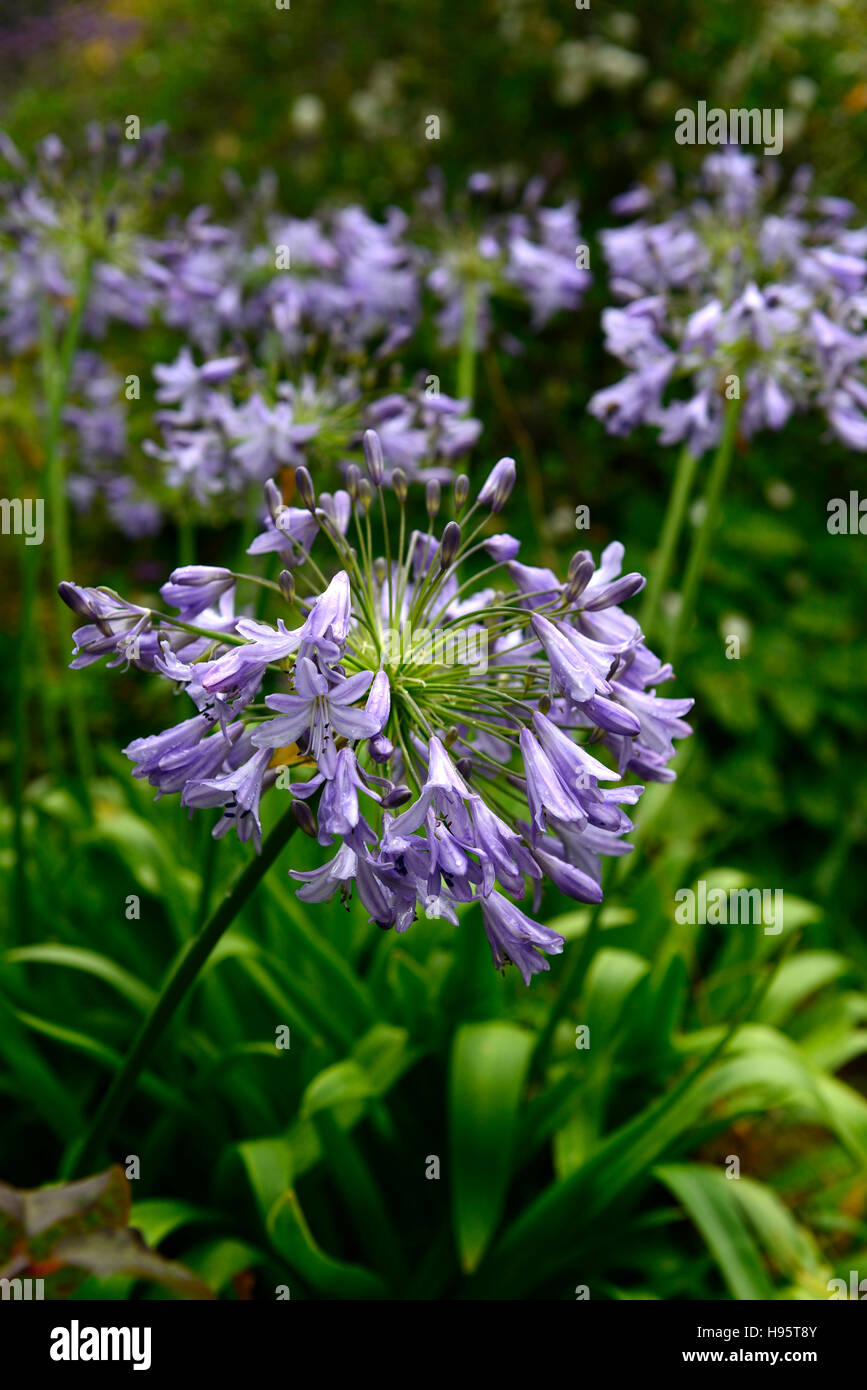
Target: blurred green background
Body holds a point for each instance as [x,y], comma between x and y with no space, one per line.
[603,1168]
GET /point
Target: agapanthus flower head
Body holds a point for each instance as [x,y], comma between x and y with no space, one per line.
[227,424]
[519,251]
[67,216]
[351,282]
[736,291]
[438,707]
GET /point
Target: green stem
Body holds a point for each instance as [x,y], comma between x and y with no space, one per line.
[700,548]
[57,364]
[671,528]
[467,352]
[178,981]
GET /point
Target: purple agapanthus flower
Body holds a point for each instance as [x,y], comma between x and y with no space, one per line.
[529,253]
[446,738]
[56,204]
[736,293]
[228,429]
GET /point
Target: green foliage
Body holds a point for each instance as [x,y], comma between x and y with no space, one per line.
[310,1167]
[415,1140]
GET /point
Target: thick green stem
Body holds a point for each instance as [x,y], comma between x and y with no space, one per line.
[180,977]
[468,346]
[700,550]
[671,528]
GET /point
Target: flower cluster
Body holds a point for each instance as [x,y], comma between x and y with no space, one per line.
[532,254]
[340,282]
[73,230]
[436,702]
[735,294]
[230,427]
[288,326]
[354,282]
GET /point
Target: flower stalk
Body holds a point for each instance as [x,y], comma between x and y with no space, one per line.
[700,549]
[179,981]
[672,527]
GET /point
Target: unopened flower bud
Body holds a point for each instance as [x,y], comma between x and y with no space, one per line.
[398,482]
[451,736]
[465,767]
[450,544]
[581,570]
[353,477]
[573,588]
[287,585]
[498,484]
[396,797]
[433,495]
[380,748]
[373,457]
[462,489]
[74,599]
[304,487]
[273,498]
[365,494]
[304,817]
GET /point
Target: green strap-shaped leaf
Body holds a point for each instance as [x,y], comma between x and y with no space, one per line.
[544,1237]
[268,1163]
[363,1198]
[711,1200]
[219,1261]
[292,1238]
[35,1079]
[488,1071]
[90,963]
[158,1218]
